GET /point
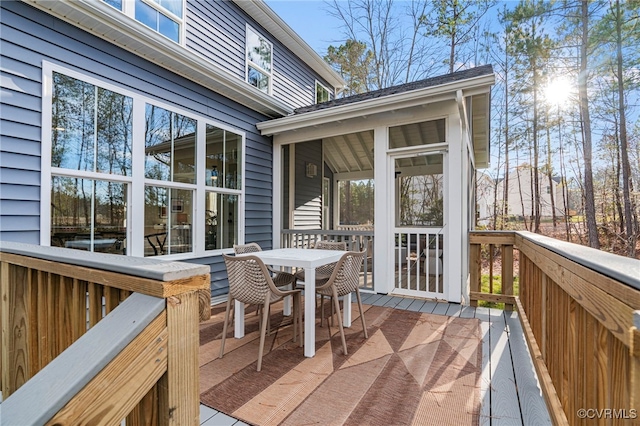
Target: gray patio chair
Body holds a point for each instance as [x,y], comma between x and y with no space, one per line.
[345,279]
[280,278]
[250,283]
[323,272]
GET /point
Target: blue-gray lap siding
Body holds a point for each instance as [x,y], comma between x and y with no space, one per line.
[308,190]
[217,31]
[29,37]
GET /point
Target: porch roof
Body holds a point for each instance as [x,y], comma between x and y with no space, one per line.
[307,122]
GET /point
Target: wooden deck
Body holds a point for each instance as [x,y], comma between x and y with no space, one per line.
[509,387]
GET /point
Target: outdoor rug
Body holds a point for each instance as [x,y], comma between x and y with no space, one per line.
[415,369]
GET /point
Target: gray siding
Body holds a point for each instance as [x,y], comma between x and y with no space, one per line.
[308,193]
[217,31]
[29,37]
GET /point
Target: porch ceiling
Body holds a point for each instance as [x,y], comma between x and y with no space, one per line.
[344,125]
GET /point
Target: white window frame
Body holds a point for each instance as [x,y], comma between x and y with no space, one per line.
[315,92]
[137,182]
[129,9]
[248,63]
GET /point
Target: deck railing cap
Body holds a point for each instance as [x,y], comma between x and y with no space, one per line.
[623,269]
[155,269]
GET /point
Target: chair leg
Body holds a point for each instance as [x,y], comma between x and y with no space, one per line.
[263,332]
[336,303]
[364,326]
[321,309]
[224,328]
[300,323]
[296,302]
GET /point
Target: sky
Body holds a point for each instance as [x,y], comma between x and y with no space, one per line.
[310,20]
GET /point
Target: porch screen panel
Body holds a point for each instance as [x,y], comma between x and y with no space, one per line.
[420,184]
[417,134]
[419,221]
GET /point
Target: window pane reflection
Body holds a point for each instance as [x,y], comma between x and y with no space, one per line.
[223,156]
[168,221]
[221,221]
[88,214]
[91,127]
[170,145]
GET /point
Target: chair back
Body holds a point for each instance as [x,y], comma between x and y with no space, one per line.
[346,274]
[246,248]
[331,245]
[249,279]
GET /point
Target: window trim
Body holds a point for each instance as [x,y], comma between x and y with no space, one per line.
[248,63]
[129,9]
[315,92]
[136,182]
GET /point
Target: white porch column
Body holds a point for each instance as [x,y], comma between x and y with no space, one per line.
[383,227]
[455,192]
[276,202]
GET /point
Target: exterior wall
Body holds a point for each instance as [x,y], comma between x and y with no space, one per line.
[217,31]
[308,194]
[30,37]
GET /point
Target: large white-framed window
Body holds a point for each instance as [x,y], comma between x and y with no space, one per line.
[259,60]
[322,93]
[164,16]
[133,175]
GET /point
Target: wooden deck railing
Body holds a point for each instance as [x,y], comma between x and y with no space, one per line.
[92,338]
[577,306]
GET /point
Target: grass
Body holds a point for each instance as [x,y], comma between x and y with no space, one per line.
[497,289]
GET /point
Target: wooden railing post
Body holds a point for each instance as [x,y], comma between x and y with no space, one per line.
[507,273]
[634,361]
[180,397]
[474,271]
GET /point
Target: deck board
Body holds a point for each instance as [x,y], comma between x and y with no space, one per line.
[485,379]
[505,407]
[440,308]
[534,410]
[416,305]
[428,307]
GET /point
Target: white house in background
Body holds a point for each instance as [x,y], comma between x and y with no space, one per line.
[520,204]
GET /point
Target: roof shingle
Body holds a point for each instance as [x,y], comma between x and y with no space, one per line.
[407,87]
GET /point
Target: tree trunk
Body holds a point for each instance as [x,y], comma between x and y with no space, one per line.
[505,198]
[550,174]
[626,168]
[589,201]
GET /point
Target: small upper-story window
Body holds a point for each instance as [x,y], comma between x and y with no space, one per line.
[322,93]
[163,16]
[259,61]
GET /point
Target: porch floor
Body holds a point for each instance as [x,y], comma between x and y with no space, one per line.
[509,386]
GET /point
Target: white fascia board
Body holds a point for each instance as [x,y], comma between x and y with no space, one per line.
[377,105]
[108,23]
[266,17]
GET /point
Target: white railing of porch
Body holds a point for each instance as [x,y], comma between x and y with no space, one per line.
[356,241]
[419,262]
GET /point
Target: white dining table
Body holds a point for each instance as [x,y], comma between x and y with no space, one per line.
[309,259]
